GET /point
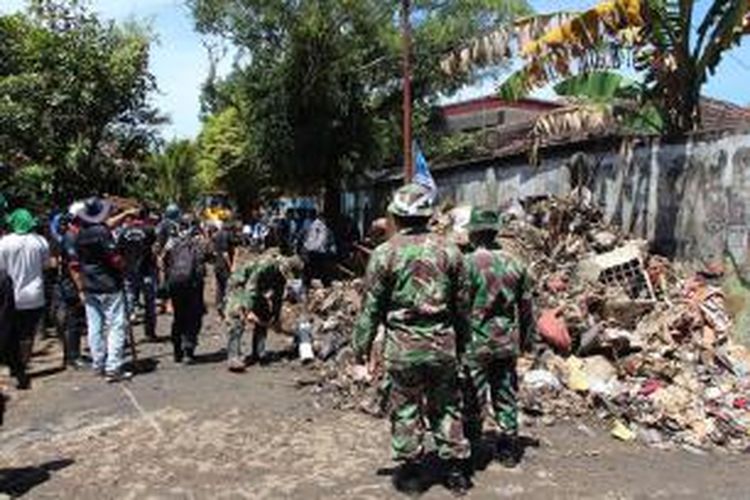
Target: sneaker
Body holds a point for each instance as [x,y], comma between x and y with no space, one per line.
[236,365]
[77,364]
[408,479]
[121,376]
[456,479]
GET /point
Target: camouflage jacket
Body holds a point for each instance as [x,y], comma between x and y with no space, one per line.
[249,285]
[416,287]
[501,315]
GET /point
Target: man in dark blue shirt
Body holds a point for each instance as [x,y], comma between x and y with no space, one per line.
[101,285]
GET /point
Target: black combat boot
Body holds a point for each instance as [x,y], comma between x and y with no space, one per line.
[509,451]
[407,478]
[457,478]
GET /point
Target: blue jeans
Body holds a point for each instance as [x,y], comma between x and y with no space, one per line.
[106,311]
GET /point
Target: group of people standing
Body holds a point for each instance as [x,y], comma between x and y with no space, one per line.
[455,324]
[456,319]
[105,266]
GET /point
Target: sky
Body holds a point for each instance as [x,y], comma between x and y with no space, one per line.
[180,62]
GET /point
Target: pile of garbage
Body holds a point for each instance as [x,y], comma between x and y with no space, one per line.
[328,312]
[642,343]
[325,318]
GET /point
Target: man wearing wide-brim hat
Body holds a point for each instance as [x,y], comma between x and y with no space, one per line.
[23,256]
[501,326]
[99,276]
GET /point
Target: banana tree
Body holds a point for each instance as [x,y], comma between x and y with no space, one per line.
[660,39]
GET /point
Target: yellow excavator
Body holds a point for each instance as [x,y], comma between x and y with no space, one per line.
[215,206]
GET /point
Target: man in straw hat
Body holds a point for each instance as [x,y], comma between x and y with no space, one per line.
[99,275]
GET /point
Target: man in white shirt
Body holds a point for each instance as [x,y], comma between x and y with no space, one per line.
[24,256]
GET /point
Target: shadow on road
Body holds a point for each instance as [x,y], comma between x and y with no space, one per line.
[212,357]
[143,365]
[47,372]
[486,451]
[18,481]
[433,470]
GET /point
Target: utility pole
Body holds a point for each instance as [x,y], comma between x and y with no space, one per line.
[407,106]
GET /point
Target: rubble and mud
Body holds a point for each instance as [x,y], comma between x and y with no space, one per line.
[637,341]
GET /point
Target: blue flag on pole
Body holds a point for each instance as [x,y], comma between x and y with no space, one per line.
[422,174]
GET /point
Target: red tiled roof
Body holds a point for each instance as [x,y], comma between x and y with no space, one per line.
[493,102]
[722,115]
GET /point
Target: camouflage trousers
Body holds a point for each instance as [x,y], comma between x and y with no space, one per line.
[426,394]
[495,379]
[237,331]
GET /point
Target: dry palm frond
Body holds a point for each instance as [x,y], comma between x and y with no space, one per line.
[573,121]
[499,45]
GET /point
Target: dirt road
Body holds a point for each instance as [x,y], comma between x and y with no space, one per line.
[200,432]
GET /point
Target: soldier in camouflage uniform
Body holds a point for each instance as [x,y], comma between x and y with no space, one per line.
[414,286]
[249,304]
[501,324]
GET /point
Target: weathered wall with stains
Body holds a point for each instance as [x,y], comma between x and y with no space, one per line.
[690,198]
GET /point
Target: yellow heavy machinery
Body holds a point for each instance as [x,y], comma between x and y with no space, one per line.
[214,207]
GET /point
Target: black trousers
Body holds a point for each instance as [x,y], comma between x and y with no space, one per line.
[188,308]
[222,279]
[18,350]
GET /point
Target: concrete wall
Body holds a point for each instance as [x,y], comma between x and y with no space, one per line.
[690,198]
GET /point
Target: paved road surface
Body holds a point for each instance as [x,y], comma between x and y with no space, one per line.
[200,432]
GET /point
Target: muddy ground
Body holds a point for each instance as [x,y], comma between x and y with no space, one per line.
[194,432]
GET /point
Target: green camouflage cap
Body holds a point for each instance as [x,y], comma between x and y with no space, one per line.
[483,219]
[412,200]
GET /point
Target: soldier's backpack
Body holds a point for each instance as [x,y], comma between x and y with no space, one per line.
[184,264]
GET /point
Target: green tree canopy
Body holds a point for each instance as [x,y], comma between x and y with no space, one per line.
[172,174]
[318,82]
[74,106]
[225,161]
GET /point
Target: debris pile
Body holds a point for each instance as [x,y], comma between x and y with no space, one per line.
[649,345]
[632,338]
[329,315]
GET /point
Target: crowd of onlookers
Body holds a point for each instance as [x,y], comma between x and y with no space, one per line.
[94,270]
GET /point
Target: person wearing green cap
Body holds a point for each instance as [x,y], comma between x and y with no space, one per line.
[23,256]
[501,325]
